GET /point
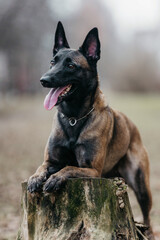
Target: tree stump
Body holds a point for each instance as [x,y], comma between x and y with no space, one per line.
[85,209]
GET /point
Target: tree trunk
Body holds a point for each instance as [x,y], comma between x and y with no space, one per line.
[85,209]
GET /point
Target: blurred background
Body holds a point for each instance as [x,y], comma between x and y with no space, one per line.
[129,71]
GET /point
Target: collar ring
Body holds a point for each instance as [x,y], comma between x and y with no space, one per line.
[72,121]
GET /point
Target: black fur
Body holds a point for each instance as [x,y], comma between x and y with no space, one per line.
[91,46]
[84,79]
[60,39]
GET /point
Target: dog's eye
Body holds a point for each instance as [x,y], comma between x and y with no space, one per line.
[52,63]
[71,66]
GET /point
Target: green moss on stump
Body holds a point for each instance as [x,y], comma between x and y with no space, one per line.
[85,207]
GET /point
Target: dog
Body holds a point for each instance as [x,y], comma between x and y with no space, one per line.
[89,138]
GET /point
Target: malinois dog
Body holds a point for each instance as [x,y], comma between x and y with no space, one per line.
[88,139]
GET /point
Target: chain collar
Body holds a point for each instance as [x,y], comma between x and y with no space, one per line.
[72,120]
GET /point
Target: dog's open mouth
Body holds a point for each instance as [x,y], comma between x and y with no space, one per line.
[55,95]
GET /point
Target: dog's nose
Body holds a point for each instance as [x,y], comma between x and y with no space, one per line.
[46,81]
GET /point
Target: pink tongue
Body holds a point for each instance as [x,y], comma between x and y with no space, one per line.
[52,97]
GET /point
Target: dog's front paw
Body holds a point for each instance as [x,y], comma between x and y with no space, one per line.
[35,182]
[54,183]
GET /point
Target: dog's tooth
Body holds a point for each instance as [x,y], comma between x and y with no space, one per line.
[66,91]
[68,88]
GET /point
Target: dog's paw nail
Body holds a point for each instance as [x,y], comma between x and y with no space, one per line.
[46,188]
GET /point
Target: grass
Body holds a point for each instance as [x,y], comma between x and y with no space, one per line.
[24,128]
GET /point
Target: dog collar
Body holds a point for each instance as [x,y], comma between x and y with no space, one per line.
[72,120]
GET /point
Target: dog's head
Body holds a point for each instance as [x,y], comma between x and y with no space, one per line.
[72,72]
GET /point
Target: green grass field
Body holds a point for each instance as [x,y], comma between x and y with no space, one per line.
[24,128]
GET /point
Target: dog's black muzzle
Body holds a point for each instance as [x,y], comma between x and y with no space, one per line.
[46,81]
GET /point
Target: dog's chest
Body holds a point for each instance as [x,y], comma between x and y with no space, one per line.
[70,148]
[71,133]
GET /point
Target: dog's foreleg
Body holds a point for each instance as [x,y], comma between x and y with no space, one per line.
[36,181]
[90,165]
[56,180]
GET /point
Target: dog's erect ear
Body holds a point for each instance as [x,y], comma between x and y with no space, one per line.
[91,46]
[60,39]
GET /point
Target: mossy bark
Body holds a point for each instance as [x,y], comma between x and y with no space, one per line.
[85,209]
